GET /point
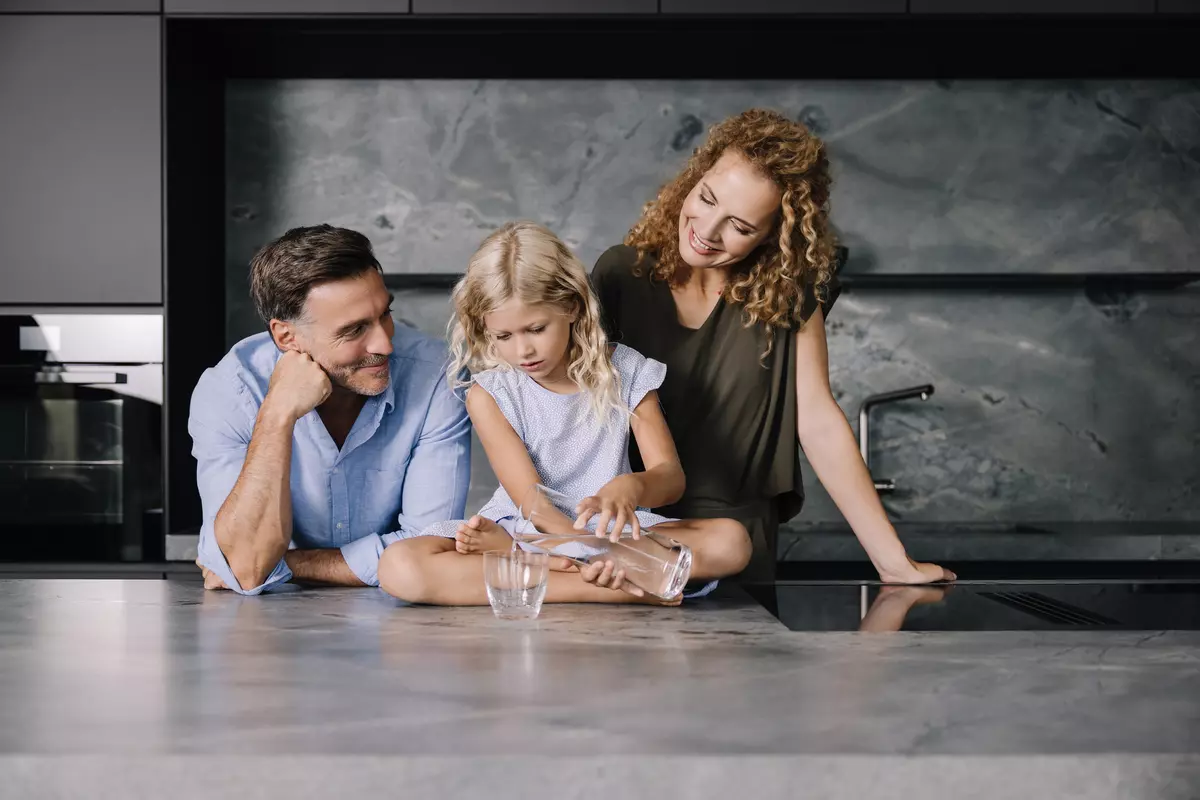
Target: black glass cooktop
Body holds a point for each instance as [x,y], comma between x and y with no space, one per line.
[996,598]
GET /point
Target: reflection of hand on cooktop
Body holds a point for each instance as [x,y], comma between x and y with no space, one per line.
[893,603]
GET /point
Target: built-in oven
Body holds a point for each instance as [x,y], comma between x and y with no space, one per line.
[81,437]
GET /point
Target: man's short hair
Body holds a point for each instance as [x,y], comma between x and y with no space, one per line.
[283,272]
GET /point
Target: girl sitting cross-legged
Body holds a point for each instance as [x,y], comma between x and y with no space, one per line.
[554,403]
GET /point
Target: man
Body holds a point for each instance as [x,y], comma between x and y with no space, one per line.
[331,435]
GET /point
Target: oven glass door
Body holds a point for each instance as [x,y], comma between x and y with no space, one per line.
[80,441]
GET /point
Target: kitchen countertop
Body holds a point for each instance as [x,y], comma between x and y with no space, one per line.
[112,687]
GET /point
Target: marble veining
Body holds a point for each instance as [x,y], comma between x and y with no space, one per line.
[1049,406]
[122,681]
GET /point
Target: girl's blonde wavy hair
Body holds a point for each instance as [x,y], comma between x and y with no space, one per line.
[527,261]
[769,283]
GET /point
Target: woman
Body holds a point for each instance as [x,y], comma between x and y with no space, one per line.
[727,279]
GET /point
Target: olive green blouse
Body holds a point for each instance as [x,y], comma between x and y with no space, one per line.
[732,414]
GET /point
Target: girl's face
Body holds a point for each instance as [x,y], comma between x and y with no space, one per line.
[728,213]
[533,338]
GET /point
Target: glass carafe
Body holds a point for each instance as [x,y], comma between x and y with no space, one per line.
[655,563]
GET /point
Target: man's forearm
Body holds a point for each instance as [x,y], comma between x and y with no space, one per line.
[254,526]
[831,449]
[321,566]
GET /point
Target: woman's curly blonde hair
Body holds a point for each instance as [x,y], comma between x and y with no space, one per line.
[770,282]
[525,260]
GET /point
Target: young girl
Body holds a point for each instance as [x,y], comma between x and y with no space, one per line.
[553,403]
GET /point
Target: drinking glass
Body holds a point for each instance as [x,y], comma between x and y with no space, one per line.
[516,582]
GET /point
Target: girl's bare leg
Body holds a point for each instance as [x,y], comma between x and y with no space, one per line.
[720,547]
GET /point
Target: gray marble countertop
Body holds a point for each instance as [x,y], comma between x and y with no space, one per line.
[135,682]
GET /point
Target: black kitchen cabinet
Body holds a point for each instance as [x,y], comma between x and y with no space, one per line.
[1031,6]
[80,6]
[80,159]
[535,6]
[286,7]
[784,6]
[1179,6]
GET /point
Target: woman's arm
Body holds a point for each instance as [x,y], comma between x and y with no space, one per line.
[660,484]
[829,444]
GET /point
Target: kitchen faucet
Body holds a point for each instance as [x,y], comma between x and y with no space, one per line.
[922,392]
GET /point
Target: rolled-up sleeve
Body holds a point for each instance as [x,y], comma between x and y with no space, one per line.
[362,555]
[220,422]
[439,471]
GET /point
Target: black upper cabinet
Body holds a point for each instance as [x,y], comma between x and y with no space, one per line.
[80,159]
[290,7]
[784,6]
[535,6]
[295,7]
[1032,6]
[1179,6]
[80,6]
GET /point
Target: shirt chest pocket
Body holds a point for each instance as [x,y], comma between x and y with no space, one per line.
[381,492]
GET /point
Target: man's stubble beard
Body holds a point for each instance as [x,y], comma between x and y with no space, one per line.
[343,377]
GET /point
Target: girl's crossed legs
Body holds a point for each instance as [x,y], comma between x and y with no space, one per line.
[438,570]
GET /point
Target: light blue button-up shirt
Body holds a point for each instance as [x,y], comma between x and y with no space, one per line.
[405,464]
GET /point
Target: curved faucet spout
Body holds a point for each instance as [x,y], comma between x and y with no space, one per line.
[923,392]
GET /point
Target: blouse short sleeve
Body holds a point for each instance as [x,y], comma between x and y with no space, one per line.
[639,375]
[499,383]
[810,301]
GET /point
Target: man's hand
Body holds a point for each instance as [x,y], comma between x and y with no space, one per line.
[298,385]
[211,581]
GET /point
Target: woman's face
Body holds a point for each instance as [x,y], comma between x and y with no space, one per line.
[728,213]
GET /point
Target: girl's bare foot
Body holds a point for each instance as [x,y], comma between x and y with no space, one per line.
[479,534]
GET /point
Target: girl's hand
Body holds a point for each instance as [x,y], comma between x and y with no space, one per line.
[916,572]
[606,573]
[616,502]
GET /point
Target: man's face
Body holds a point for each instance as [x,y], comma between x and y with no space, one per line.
[347,328]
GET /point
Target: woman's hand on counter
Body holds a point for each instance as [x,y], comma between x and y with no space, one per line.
[916,572]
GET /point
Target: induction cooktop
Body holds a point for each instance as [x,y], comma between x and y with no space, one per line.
[996,597]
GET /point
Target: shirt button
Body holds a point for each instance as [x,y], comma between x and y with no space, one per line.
[339,525]
[335,470]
